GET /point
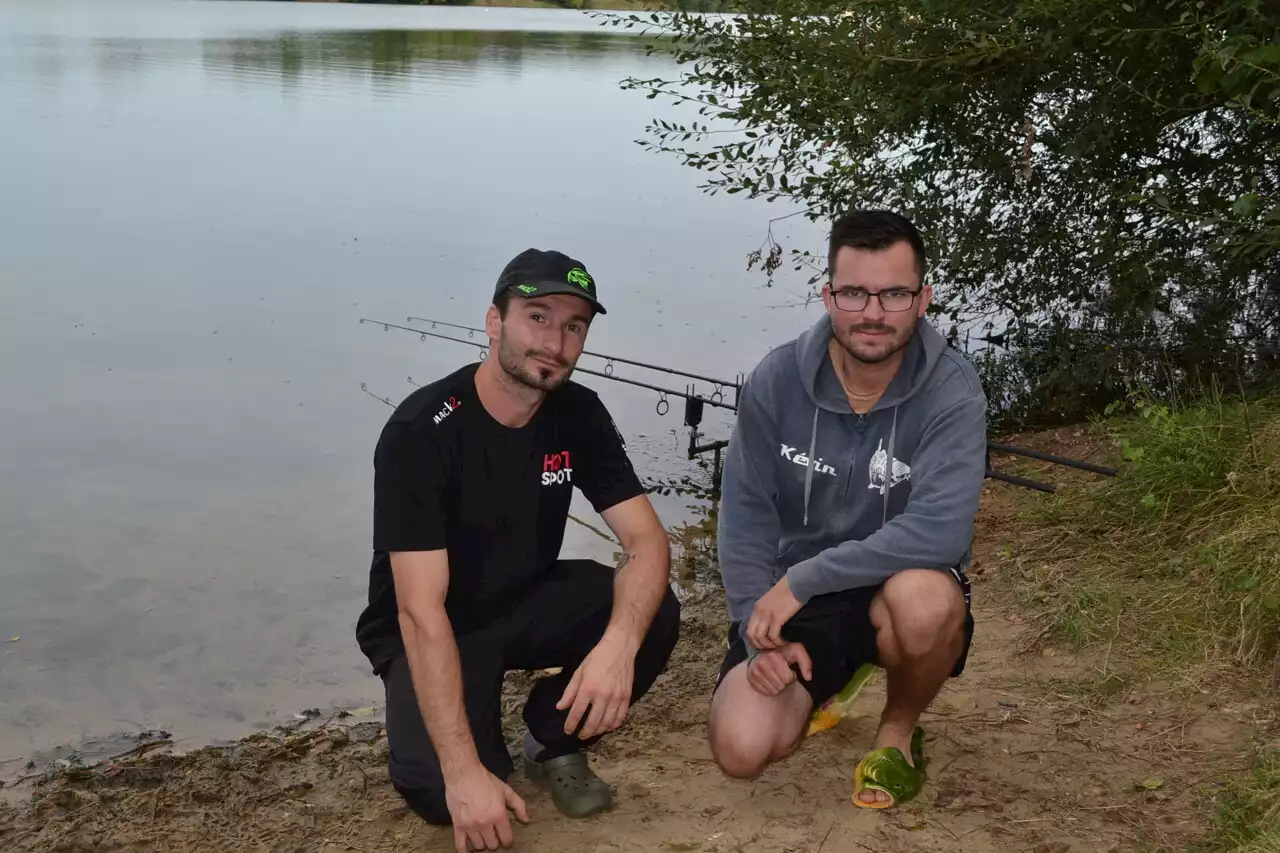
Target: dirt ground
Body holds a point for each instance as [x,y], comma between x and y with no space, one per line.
[1020,760]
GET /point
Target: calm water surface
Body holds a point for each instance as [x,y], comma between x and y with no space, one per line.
[198,203]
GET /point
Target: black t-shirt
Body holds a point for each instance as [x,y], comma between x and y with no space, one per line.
[448,475]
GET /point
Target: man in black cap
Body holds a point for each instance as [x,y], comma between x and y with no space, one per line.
[473,478]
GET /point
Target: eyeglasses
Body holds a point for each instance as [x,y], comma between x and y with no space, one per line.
[856,299]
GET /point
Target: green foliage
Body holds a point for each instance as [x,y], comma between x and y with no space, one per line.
[1088,173]
[1248,811]
[1178,558]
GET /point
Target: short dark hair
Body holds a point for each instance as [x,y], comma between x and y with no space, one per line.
[874,230]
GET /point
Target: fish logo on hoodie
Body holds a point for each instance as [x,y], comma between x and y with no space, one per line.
[880,464]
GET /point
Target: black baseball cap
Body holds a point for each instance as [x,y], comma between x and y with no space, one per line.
[537,272]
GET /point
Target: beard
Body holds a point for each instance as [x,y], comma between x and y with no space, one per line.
[873,353]
[519,366]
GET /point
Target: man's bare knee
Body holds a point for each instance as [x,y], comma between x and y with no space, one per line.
[742,753]
[748,731]
[740,748]
[925,612]
[738,759]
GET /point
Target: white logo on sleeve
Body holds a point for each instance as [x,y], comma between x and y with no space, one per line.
[880,464]
[802,459]
[450,406]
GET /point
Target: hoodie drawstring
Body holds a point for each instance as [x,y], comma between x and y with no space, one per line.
[888,468]
[808,474]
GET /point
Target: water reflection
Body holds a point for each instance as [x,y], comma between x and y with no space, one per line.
[693,546]
[397,55]
[389,59]
[200,202]
[393,58]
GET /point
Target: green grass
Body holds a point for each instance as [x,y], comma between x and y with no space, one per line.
[1175,562]
[1174,568]
[1248,811]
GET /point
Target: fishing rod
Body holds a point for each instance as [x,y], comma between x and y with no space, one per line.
[609,359]
[664,405]
[694,404]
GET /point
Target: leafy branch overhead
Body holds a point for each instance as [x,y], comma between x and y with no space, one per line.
[1086,171]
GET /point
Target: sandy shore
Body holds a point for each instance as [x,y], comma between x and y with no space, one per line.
[1019,760]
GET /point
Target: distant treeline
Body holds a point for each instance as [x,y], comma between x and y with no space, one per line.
[680,5]
[389,58]
[564,4]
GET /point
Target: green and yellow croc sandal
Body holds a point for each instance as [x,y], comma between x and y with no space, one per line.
[887,770]
[835,708]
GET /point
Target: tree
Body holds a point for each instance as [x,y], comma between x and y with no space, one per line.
[1099,180]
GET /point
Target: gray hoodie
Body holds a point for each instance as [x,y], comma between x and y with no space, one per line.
[834,500]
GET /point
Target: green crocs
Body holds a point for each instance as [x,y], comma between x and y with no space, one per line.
[575,788]
[886,770]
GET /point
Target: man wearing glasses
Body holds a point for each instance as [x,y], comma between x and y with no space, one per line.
[851,482]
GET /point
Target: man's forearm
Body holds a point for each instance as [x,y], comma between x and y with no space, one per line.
[436,670]
[639,584]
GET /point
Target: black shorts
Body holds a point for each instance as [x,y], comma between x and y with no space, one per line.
[836,631]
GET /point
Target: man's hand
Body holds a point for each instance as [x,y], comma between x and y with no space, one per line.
[603,680]
[775,607]
[478,803]
[770,672]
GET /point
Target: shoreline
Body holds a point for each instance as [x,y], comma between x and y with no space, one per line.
[1015,771]
[102,741]
[1014,741]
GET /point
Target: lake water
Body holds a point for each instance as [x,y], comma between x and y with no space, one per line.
[199,201]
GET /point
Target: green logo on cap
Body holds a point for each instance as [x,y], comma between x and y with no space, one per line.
[527,288]
[579,277]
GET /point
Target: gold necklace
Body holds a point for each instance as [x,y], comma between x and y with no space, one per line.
[836,362]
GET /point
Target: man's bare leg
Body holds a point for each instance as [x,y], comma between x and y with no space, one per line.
[919,619]
[749,731]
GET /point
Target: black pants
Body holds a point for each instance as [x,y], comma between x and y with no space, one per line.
[837,632]
[556,623]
